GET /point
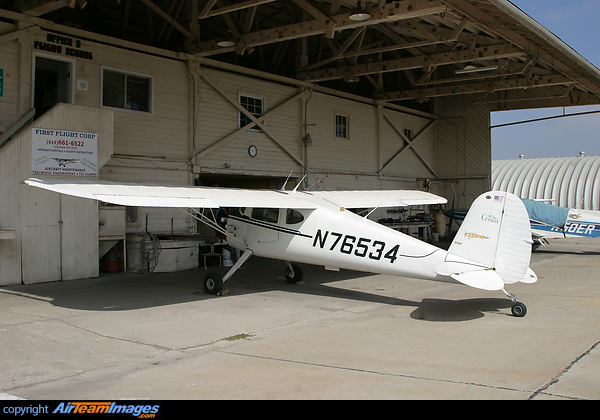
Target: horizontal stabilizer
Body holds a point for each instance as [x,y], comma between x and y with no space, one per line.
[482,279]
[453,267]
[530,277]
[470,274]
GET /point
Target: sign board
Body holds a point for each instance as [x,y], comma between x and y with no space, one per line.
[60,152]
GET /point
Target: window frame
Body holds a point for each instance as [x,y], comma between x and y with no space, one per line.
[293,217]
[265,214]
[255,128]
[127,73]
[346,126]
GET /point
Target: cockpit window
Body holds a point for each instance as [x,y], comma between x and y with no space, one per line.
[293,216]
[266,214]
[235,211]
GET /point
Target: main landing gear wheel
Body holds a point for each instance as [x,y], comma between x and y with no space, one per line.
[213,283]
[293,274]
[519,309]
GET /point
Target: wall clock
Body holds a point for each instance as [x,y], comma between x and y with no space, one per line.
[252,150]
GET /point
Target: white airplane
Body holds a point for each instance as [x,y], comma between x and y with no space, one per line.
[491,249]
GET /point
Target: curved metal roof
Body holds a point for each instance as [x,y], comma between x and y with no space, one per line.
[572,182]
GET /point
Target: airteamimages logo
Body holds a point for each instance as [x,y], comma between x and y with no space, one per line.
[142,411]
[93,409]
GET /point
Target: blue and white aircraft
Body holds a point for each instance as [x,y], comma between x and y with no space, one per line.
[548,221]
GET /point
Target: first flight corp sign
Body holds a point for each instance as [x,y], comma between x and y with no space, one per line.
[60,152]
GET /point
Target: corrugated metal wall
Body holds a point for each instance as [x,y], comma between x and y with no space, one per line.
[463,143]
[56,236]
[573,182]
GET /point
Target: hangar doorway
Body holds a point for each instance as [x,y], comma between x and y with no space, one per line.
[52,84]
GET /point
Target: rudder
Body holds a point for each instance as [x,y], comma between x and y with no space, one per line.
[495,235]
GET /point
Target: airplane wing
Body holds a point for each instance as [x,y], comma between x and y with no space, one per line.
[379,198]
[144,195]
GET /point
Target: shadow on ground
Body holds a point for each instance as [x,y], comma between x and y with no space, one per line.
[131,291]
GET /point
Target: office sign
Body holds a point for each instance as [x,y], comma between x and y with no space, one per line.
[60,152]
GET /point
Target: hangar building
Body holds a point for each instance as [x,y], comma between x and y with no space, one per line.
[354,95]
[572,182]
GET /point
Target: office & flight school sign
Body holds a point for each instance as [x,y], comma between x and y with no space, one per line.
[63,44]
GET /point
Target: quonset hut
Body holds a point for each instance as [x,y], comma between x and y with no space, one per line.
[572,182]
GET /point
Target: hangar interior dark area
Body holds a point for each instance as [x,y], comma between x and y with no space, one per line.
[406,52]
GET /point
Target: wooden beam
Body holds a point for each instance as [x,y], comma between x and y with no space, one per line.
[13,36]
[17,125]
[206,12]
[168,18]
[488,21]
[379,14]
[409,144]
[421,61]
[488,86]
[41,7]
[255,121]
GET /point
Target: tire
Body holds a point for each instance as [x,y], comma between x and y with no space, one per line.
[297,274]
[519,310]
[213,283]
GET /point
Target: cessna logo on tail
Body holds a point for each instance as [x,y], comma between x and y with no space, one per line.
[489,218]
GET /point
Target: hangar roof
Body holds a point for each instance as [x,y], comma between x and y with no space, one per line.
[405,52]
[572,182]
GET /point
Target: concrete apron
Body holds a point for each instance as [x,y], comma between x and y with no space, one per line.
[338,335]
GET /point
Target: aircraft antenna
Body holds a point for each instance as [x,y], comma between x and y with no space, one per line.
[286,181]
[297,185]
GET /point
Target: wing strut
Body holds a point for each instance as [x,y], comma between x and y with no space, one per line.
[211,223]
[247,254]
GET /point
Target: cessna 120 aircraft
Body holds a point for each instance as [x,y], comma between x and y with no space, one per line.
[491,249]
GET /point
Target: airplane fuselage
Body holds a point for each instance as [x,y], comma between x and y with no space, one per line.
[334,238]
[579,223]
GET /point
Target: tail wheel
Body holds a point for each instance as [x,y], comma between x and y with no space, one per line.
[293,275]
[213,283]
[519,309]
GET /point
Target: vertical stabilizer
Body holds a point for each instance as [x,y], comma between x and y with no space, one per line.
[496,235]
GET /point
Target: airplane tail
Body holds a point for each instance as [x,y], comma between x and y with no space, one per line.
[493,245]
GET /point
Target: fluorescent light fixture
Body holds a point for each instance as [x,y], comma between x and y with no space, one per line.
[359,16]
[472,69]
[226,43]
